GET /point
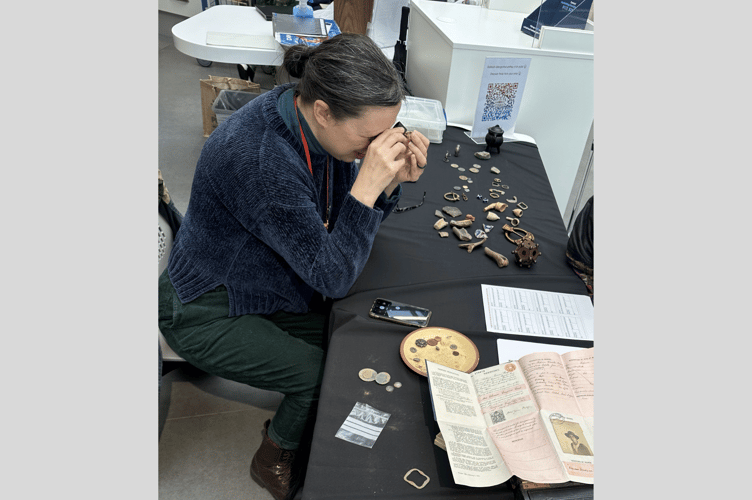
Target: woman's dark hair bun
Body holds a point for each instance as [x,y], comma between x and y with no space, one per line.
[295,60]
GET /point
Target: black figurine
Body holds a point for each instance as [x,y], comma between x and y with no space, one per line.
[494,139]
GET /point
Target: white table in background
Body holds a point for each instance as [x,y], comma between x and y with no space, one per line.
[189,36]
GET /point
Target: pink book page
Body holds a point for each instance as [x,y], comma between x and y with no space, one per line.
[527,451]
[581,370]
[549,382]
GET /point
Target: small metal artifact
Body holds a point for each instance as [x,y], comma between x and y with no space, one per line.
[463,177]
[469,181]
[527,252]
[451,196]
[503,186]
[492,216]
[517,212]
[389,388]
[420,472]
[456,188]
[495,170]
[480,234]
[483,155]
[443,234]
[453,346]
[492,190]
[471,246]
[454,165]
[464,197]
[513,200]
[461,223]
[522,206]
[474,170]
[413,350]
[397,385]
[440,224]
[460,169]
[452,211]
[421,342]
[515,222]
[446,157]
[367,375]
[457,150]
[494,138]
[523,233]
[461,233]
[501,261]
[494,195]
[382,378]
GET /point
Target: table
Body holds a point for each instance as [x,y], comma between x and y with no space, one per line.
[410,263]
[451,41]
[189,36]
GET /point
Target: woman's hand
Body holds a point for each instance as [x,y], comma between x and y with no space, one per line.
[416,158]
[385,158]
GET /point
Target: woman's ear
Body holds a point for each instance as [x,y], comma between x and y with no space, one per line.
[322,114]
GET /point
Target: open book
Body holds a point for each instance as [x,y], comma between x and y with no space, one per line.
[531,418]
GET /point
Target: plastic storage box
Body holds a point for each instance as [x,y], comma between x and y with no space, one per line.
[425,115]
[229,101]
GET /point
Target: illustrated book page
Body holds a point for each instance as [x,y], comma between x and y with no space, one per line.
[537,412]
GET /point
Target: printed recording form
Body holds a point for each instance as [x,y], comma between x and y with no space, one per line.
[542,314]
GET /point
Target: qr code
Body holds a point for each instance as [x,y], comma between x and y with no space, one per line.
[499,101]
[497,416]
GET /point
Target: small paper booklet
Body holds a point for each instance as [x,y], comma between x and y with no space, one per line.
[531,418]
[294,30]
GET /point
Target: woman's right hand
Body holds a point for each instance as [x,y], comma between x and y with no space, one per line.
[384,159]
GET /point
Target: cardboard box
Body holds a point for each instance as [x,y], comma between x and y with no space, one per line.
[210,90]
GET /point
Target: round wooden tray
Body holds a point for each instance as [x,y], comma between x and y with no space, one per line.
[440,346]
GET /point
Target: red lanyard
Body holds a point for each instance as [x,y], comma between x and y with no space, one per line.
[310,166]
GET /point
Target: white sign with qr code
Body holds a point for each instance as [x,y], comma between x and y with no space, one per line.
[500,94]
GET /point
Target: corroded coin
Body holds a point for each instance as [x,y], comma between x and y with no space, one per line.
[382,378]
[412,349]
[432,342]
[397,385]
[453,346]
[421,342]
[367,375]
[389,388]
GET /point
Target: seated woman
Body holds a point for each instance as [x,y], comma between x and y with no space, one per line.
[280,217]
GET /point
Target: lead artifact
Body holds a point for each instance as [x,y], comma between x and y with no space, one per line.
[517,212]
[492,216]
[461,223]
[471,246]
[462,233]
[500,260]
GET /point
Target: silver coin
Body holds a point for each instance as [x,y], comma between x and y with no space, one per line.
[463,177]
[397,385]
[474,170]
[461,169]
[469,181]
[475,165]
[367,375]
[467,190]
[382,378]
[389,388]
[454,165]
[457,188]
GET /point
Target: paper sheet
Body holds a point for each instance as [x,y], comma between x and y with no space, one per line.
[520,311]
[512,350]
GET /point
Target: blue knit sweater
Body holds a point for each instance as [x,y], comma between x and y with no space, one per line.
[254,222]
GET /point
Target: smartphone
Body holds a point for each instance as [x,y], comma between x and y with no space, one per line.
[398,312]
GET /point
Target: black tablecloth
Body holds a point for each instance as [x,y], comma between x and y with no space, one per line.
[410,263]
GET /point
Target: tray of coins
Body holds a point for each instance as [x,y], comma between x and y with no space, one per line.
[440,345]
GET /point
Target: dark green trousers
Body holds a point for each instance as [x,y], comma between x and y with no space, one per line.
[279,352]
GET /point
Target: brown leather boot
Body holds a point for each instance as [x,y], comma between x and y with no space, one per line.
[272,468]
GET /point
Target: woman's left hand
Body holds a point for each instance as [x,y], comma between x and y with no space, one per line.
[416,158]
